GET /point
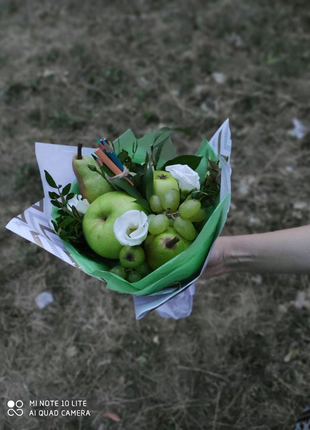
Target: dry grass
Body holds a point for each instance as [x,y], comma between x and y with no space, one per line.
[73,71]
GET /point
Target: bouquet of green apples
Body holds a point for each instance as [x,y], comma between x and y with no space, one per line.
[134,214]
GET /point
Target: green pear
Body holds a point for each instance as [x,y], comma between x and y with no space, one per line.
[163,247]
[163,182]
[99,220]
[91,184]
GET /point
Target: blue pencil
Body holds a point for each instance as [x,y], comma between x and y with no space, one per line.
[111,154]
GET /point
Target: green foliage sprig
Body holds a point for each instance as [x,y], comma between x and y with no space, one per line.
[68,224]
[210,187]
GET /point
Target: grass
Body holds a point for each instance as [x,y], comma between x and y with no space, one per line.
[13,91]
[241,360]
[61,119]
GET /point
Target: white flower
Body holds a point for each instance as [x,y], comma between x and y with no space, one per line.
[81,204]
[187,178]
[131,228]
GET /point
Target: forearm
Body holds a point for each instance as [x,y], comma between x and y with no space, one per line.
[285,251]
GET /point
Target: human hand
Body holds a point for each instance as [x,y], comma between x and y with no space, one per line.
[217,264]
[283,251]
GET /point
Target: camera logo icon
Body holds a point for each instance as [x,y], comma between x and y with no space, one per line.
[15,408]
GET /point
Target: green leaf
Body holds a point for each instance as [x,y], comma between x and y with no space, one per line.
[125,141]
[104,170]
[124,156]
[53,195]
[159,134]
[75,212]
[129,189]
[146,161]
[166,150]
[159,148]
[66,222]
[144,146]
[136,179]
[92,168]
[135,146]
[66,189]
[70,196]
[167,153]
[137,168]
[144,204]
[190,160]
[50,180]
[148,182]
[56,203]
[63,236]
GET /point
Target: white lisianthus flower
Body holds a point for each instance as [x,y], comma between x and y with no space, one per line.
[81,204]
[131,228]
[187,178]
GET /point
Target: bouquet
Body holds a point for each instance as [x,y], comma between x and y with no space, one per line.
[132,213]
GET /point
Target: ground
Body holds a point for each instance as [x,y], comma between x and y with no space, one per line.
[73,71]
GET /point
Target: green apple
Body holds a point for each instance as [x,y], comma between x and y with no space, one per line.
[163,247]
[119,270]
[163,182]
[144,269]
[134,276]
[99,220]
[131,256]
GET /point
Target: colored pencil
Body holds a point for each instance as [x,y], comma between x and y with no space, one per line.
[109,163]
